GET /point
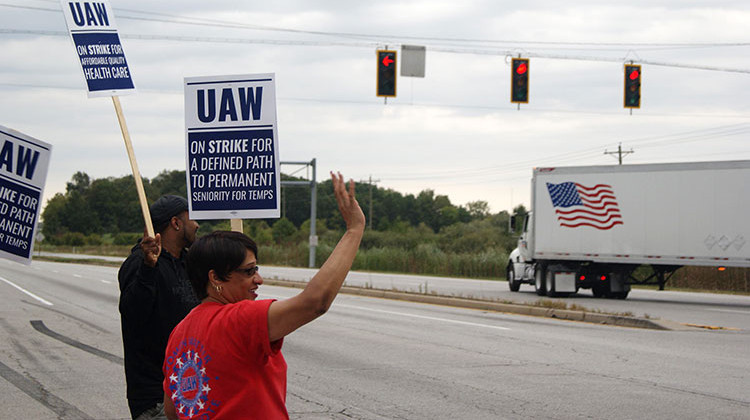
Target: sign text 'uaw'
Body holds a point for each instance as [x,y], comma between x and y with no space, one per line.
[23,171]
[92,27]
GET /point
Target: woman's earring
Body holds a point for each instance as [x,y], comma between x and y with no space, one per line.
[217,287]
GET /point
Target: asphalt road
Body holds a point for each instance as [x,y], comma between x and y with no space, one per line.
[705,309]
[60,357]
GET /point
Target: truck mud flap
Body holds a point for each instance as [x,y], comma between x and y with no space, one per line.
[564,281]
[560,280]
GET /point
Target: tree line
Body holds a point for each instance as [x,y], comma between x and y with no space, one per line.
[422,233]
[110,206]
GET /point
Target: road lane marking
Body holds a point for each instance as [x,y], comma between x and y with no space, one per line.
[732,311]
[78,275]
[44,301]
[431,318]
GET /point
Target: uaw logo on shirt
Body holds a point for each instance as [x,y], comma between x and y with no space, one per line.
[188,381]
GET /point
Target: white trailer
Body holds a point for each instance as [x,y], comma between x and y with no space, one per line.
[591,227]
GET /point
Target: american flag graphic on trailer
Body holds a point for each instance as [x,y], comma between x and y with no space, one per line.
[577,205]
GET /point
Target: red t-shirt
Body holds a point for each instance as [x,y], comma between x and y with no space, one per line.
[220,364]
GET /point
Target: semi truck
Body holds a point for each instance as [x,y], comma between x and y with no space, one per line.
[591,227]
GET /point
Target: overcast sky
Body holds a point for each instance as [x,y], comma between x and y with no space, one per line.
[453,131]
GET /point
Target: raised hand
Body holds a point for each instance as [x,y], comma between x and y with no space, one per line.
[151,248]
[348,205]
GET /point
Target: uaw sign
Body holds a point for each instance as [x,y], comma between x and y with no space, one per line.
[23,171]
[232,147]
[92,27]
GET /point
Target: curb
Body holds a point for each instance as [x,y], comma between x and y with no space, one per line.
[514,308]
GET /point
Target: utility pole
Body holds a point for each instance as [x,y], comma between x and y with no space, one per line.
[312,183]
[619,152]
[370,181]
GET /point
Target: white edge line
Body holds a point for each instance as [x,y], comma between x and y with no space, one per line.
[44,301]
[728,310]
[431,318]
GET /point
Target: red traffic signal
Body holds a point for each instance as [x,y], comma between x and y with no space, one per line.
[386,70]
[519,80]
[632,93]
[522,68]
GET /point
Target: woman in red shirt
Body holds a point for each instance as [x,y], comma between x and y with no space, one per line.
[223,361]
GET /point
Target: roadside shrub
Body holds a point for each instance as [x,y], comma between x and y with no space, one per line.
[382,259]
[283,230]
[125,238]
[709,278]
[401,238]
[292,255]
[93,239]
[430,259]
[74,239]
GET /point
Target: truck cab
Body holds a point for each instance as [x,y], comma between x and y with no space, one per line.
[521,262]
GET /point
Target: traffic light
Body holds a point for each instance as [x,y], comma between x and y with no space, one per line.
[632,86]
[386,73]
[519,79]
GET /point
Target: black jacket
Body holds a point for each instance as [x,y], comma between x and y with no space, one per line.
[152,302]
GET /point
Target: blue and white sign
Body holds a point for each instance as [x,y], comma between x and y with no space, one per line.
[23,171]
[92,27]
[232,147]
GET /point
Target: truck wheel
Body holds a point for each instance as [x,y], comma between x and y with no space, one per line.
[539,280]
[513,284]
[598,290]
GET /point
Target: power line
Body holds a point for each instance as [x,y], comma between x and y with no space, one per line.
[531,54]
[693,135]
[461,45]
[177,19]
[493,108]
[468,174]
[507,52]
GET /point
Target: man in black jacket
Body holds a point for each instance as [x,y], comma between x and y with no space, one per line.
[155,294]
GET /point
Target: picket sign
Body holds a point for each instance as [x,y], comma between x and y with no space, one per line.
[231,145]
[91,25]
